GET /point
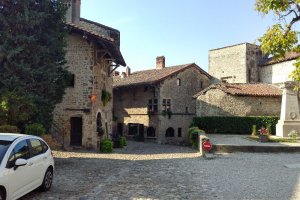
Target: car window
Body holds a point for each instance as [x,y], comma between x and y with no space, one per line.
[36,147]
[4,145]
[45,147]
[21,150]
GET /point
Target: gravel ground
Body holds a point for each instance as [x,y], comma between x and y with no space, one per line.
[152,171]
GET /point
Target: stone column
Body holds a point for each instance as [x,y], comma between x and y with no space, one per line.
[289,116]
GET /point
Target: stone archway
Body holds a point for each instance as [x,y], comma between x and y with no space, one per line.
[150,132]
[100,129]
[170,132]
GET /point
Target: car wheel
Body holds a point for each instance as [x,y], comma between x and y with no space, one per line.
[2,195]
[48,178]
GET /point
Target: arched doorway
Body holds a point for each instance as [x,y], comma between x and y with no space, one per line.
[100,129]
[170,132]
[150,132]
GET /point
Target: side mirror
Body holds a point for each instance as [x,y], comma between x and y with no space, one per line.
[20,162]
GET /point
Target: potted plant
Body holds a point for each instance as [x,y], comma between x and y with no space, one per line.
[263,134]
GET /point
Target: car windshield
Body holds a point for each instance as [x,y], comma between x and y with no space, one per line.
[4,145]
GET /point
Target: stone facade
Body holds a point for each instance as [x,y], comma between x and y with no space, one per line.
[235,64]
[218,103]
[131,106]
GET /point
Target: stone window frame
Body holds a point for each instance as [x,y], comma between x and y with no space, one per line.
[166,103]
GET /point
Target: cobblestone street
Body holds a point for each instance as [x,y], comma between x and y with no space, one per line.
[152,171]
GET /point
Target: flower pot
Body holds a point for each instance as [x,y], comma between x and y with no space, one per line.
[263,138]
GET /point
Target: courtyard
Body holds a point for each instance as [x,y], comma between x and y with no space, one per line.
[153,171]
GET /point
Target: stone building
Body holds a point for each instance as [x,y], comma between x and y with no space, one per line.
[93,52]
[246,76]
[157,104]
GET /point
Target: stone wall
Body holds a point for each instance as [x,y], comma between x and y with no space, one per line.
[90,78]
[276,73]
[235,64]
[218,103]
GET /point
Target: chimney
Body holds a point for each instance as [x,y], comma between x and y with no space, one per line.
[160,62]
[73,12]
[128,71]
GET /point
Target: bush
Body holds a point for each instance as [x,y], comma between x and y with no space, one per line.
[106,146]
[193,136]
[35,129]
[234,125]
[123,142]
[293,134]
[9,129]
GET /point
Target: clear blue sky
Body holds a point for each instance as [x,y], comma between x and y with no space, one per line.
[181,30]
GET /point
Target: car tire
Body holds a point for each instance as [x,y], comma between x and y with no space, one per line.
[2,195]
[47,182]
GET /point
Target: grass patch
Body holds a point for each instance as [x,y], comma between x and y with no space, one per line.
[276,139]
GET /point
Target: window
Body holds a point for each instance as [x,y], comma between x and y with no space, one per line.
[179,82]
[45,147]
[21,150]
[186,109]
[36,147]
[166,104]
[152,105]
[201,84]
[4,145]
[170,132]
[70,80]
[179,132]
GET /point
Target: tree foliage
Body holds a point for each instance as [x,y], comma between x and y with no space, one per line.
[32,56]
[281,37]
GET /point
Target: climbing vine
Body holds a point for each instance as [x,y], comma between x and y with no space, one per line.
[105,97]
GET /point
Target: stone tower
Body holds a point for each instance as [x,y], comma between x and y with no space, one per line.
[235,64]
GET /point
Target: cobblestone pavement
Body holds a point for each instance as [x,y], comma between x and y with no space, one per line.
[152,171]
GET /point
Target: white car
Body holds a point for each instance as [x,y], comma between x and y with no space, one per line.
[26,163]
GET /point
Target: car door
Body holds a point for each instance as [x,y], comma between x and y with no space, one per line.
[37,159]
[19,179]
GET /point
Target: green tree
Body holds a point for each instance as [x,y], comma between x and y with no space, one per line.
[281,37]
[32,54]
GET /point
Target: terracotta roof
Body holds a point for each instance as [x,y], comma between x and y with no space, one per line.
[101,38]
[148,77]
[287,57]
[244,89]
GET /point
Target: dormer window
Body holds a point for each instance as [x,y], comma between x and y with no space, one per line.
[178,82]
